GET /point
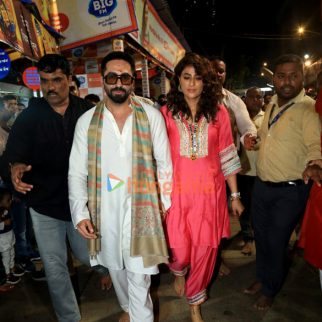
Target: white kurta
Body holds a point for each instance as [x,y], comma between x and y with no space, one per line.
[116,162]
[244,123]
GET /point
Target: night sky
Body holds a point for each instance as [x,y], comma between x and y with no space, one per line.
[249,32]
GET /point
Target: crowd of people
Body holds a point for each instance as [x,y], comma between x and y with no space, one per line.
[23,247]
[125,185]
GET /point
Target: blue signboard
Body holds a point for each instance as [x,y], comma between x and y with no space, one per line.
[4,64]
[101,8]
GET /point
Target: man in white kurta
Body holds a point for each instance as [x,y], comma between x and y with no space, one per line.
[237,111]
[127,273]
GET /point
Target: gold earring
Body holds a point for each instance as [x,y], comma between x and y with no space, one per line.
[179,88]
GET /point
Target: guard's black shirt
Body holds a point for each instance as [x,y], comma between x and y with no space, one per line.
[43,138]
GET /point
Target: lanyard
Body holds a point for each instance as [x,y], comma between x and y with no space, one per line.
[278,115]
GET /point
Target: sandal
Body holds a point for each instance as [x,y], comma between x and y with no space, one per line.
[254,288]
[106,283]
[6,287]
[224,270]
[125,317]
[263,303]
[247,249]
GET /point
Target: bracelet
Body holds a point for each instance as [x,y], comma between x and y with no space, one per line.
[234,196]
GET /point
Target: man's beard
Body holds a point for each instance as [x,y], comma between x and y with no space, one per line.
[118,98]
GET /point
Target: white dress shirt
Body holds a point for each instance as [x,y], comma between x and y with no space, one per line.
[244,123]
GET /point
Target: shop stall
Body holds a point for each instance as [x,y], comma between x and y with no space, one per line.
[94,28]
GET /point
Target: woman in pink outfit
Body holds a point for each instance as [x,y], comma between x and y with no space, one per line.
[203,157]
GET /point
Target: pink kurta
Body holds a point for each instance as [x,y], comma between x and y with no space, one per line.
[198,215]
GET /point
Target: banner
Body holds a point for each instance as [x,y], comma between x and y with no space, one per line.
[9,32]
[28,34]
[44,9]
[155,36]
[93,20]
[46,42]
[145,78]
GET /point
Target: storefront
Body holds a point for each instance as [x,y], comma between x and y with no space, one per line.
[91,29]
[25,36]
[94,28]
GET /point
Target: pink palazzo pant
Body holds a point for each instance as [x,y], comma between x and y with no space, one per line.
[201,260]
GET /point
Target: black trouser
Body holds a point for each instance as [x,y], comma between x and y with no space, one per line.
[275,212]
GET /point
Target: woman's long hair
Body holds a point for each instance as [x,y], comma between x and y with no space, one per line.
[211,94]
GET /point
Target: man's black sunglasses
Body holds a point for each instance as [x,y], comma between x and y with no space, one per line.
[111,78]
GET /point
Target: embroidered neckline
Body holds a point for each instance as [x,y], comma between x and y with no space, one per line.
[193,128]
[193,137]
[194,131]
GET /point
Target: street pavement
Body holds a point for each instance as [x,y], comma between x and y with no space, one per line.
[300,299]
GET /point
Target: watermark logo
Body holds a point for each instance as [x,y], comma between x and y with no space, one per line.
[148,183]
[113,182]
[101,8]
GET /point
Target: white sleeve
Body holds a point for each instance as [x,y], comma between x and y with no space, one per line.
[77,173]
[162,155]
[243,120]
